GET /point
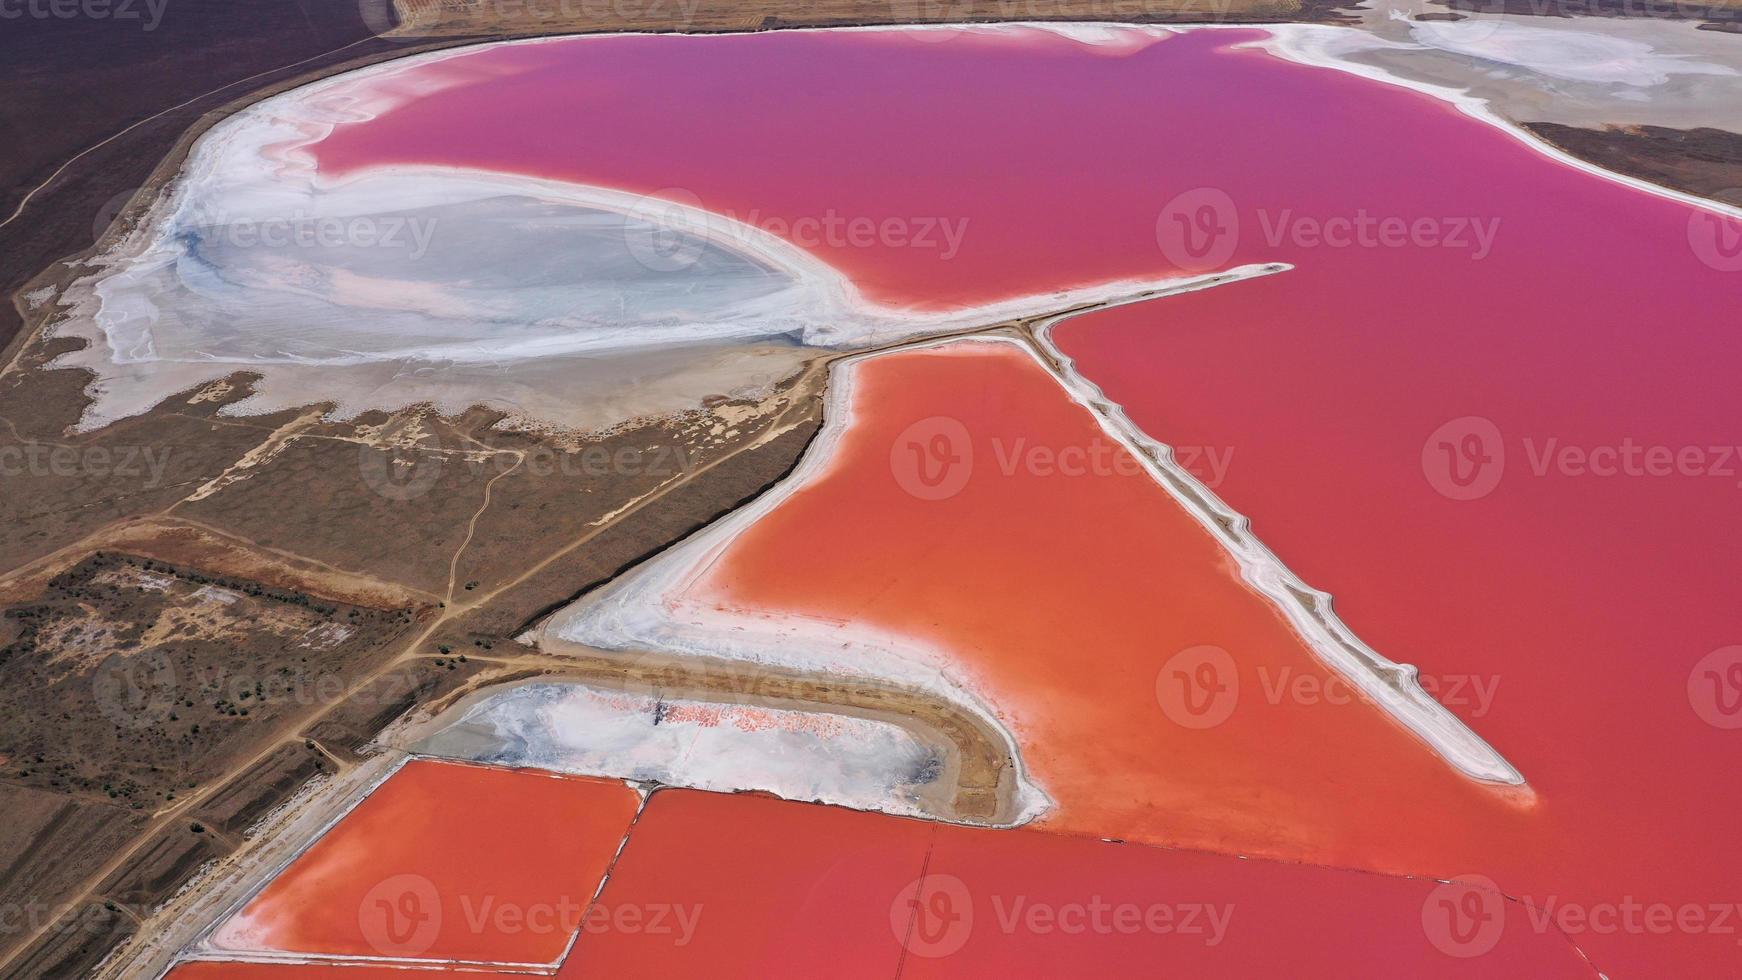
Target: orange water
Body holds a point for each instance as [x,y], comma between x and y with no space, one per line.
[447,862]
[1074,600]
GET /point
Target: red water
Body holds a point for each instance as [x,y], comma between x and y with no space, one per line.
[779,889]
[1589,600]
[446,862]
[1073,600]
[776,128]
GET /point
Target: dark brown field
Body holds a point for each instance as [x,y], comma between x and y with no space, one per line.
[199,613]
[1706,162]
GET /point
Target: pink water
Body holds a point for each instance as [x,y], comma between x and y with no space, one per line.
[1591,320]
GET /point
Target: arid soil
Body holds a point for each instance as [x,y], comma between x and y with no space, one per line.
[95,102]
[134,680]
[435,18]
[1707,162]
[289,585]
[1713,15]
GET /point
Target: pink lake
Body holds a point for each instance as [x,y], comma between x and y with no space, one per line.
[1556,308]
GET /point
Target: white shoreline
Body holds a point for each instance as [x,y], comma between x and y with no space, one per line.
[639,610]
[1391,685]
[820,307]
[634,612]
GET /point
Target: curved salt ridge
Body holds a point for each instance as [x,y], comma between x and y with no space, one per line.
[133,375]
[650,608]
[645,609]
[1391,685]
[162,309]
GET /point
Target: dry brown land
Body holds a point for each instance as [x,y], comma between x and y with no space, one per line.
[1706,162]
[132,681]
[437,18]
[201,613]
[1713,15]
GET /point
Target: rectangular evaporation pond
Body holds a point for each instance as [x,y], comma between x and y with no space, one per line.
[752,886]
[446,862]
[776,888]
